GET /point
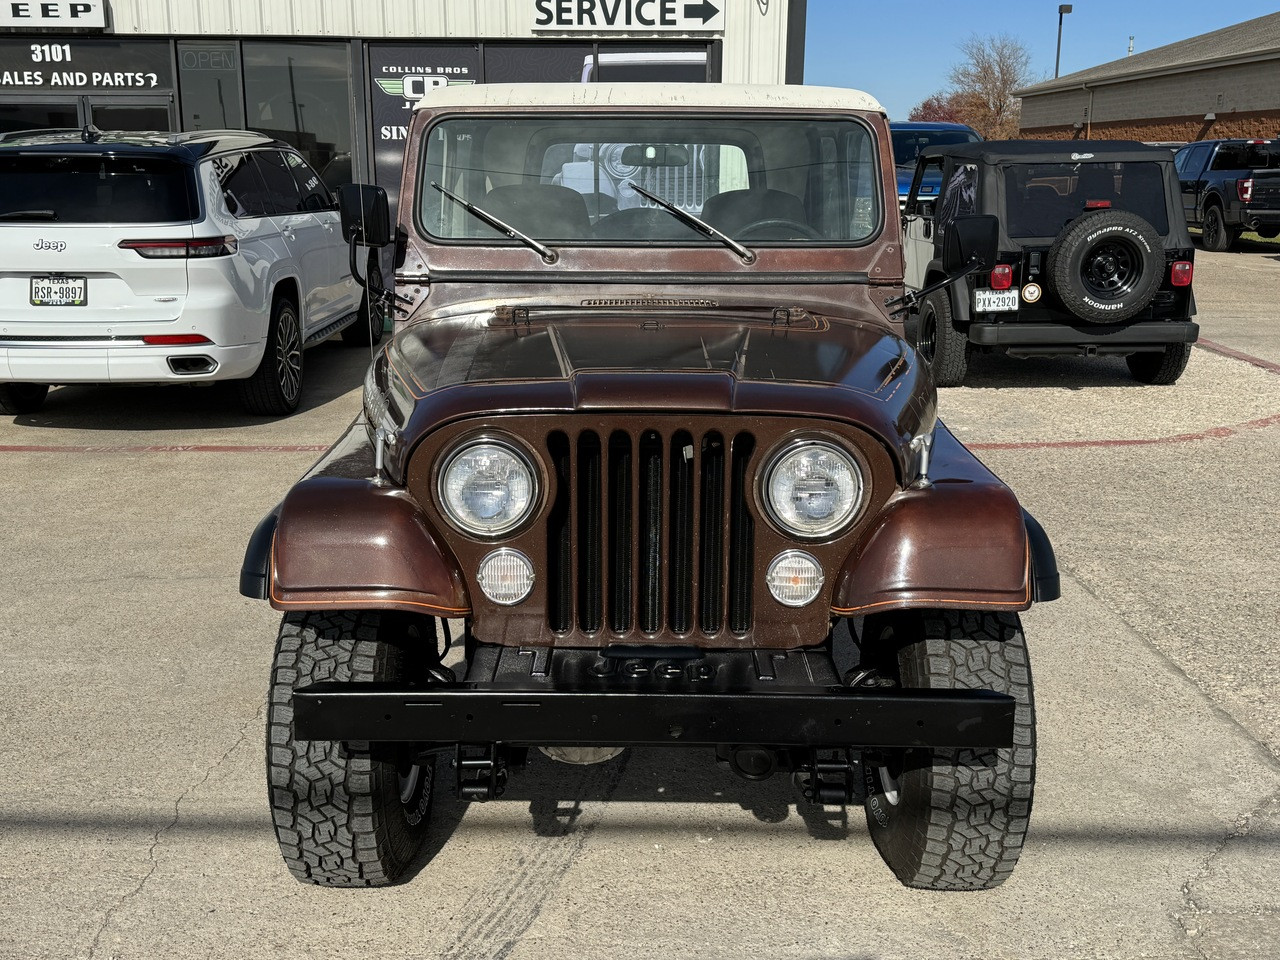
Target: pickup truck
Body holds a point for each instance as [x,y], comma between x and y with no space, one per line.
[910,137]
[1217,178]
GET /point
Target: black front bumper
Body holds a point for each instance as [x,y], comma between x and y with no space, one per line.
[1084,338]
[686,698]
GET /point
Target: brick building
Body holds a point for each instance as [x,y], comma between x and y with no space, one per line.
[1220,84]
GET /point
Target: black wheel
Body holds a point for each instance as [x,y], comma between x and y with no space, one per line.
[1105,267]
[368,329]
[1214,232]
[944,347]
[276,386]
[954,819]
[22,397]
[342,818]
[1162,367]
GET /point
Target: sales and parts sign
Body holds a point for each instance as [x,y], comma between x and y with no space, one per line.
[73,14]
[54,64]
[630,16]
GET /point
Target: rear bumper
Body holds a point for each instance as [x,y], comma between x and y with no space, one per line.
[581,698]
[1066,338]
[86,362]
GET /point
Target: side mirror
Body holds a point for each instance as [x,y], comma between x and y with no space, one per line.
[969,239]
[365,217]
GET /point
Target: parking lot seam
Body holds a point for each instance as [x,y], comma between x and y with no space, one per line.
[1212,433]
[1234,354]
[152,862]
[168,448]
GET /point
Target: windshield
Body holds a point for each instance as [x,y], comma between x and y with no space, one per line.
[907,144]
[102,188]
[761,181]
[1042,197]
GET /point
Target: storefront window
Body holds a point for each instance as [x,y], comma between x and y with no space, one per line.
[669,63]
[209,84]
[37,116]
[537,62]
[301,93]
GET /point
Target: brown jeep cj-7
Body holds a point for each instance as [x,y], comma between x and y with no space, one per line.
[648,447]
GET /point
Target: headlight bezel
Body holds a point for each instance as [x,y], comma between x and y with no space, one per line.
[521,454]
[858,469]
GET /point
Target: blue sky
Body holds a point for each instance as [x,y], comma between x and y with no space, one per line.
[901,52]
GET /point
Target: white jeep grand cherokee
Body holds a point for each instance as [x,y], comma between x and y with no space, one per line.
[156,257]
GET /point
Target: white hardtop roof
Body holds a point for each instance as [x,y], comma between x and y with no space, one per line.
[710,95]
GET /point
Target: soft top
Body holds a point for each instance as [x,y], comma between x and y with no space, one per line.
[604,95]
[1049,151]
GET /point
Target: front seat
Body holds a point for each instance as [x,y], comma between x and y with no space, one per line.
[735,209]
[544,211]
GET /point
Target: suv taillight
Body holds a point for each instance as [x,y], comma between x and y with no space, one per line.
[1001,277]
[168,249]
[1180,276]
[1244,190]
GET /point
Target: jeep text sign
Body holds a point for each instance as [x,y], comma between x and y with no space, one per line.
[77,14]
[606,16]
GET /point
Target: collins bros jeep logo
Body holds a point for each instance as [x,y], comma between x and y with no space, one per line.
[413,87]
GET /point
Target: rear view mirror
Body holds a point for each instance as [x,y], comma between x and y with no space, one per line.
[655,155]
[970,239]
[365,215]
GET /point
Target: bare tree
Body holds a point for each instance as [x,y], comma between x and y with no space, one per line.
[992,68]
[941,107]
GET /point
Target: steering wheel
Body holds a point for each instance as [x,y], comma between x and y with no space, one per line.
[779,224]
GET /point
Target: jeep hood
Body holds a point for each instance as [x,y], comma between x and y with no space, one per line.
[785,362]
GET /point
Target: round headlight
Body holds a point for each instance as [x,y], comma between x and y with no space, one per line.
[487,488]
[794,578]
[813,489]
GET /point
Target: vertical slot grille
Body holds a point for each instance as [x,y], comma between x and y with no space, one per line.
[621,541]
[590,598]
[559,540]
[741,538]
[650,532]
[711,536]
[650,573]
[680,558]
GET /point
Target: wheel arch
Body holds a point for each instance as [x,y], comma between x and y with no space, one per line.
[960,542]
[352,544]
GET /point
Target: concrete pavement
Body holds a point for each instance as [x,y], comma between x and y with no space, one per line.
[133,819]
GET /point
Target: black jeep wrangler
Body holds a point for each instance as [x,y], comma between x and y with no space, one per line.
[1094,256]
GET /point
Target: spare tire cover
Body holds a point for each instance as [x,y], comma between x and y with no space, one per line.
[1105,267]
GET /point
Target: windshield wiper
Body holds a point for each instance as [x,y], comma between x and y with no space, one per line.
[548,255]
[698,224]
[29,215]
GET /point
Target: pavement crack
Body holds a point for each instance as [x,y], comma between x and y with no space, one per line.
[1189,919]
[158,836]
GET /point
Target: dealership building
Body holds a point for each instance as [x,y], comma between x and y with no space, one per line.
[1220,84]
[338,78]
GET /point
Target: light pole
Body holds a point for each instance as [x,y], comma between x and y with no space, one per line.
[1063,9]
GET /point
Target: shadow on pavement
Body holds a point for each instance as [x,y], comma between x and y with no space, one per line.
[330,371]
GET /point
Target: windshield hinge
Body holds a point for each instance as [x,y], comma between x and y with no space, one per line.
[788,315]
[512,315]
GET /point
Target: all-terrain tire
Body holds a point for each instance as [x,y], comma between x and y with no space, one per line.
[339,813]
[1105,267]
[947,819]
[944,347]
[275,389]
[1160,368]
[22,397]
[1214,233]
[368,329]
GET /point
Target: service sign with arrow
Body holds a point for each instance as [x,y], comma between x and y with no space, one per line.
[631,16]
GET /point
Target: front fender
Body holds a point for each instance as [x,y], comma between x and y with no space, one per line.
[961,542]
[340,539]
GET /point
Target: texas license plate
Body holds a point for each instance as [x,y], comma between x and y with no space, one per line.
[59,291]
[994,301]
